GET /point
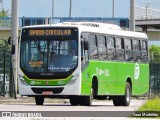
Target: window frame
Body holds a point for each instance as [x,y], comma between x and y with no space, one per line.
[113,37]
[122,47]
[96,45]
[104,38]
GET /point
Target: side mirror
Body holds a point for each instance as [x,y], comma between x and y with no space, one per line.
[13,49]
[18,38]
[9,41]
[86,46]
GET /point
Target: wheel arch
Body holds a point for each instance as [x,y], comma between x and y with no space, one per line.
[95,84]
[94,79]
[129,80]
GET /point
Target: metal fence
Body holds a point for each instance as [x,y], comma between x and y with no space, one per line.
[154,90]
[5,64]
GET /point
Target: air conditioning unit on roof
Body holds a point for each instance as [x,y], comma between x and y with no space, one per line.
[95,24]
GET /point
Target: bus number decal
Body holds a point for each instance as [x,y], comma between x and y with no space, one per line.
[102,72]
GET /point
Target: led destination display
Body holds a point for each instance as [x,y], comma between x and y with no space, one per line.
[50,32]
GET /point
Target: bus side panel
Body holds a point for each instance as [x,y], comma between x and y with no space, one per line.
[106,73]
[145,78]
[107,78]
[87,74]
[112,77]
[141,85]
[124,71]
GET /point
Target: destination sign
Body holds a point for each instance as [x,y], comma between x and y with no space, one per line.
[50,32]
[35,63]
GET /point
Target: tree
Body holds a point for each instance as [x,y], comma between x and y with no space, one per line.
[4,13]
[154,53]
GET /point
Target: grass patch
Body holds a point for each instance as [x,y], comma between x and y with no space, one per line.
[151,105]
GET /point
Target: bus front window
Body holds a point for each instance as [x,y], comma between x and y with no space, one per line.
[62,55]
[48,56]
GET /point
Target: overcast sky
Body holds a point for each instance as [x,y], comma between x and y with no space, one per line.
[80,8]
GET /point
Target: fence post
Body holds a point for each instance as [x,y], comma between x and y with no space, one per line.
[4,72]
[10,80]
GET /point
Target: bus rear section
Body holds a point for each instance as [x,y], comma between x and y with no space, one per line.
[48,63]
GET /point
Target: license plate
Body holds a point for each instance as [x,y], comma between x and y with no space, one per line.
[47,93]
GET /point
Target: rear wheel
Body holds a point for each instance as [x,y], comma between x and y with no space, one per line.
[123,100]
[127,97]
[39,100]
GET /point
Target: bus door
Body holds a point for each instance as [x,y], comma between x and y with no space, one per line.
[84,51]
[85,67]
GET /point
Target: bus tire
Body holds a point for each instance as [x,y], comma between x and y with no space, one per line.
[123,100]
[116,101]
[127,97]
[94,88]
[74,101]
[39,100]
[86,100]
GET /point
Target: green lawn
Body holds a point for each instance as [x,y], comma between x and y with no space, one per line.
[151,105]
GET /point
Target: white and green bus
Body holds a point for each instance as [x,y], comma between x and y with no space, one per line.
[82,61]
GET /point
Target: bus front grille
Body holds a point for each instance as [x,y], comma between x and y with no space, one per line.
[54,90]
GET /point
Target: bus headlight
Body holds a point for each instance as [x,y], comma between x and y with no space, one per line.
[74,79]
[21,79]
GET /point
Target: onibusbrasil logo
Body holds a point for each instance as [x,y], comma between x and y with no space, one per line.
[136,71]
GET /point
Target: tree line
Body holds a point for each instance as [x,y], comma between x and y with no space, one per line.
[154,53]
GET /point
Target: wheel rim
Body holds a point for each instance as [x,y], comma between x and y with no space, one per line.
[128,95]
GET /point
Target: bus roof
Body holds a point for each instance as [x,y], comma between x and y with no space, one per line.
[95,27]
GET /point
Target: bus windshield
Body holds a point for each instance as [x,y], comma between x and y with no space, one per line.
[48,56]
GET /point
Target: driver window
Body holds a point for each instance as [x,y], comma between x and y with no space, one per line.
[84,53]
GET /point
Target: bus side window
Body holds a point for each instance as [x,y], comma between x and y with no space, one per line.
[136,50]
[102,48]
[111,48]
[128,50]
[93,47]
[119,49]
[84,50]
[144,53]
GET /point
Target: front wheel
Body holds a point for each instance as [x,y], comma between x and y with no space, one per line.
[74,101]
[116,101]
[39,100]
[86,100]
